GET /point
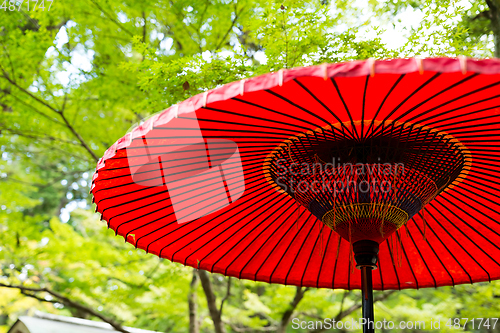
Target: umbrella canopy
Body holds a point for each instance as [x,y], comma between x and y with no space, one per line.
[274,178]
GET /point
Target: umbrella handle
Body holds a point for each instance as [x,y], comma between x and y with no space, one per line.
[366,256]
[367,293]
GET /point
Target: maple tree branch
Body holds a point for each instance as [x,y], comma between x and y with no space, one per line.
[233,22]
[12,82]
[37,136]
[228,293]
[194,326]
[287,315]
[33,108]
[111,18]
[211,301]
[75,133]
[344,296]
[251,329]
[65,301]
[355,307]
[60,113]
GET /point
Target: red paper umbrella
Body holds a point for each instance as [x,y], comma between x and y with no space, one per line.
[296,177]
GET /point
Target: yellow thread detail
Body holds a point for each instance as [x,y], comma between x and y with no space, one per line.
[345,214]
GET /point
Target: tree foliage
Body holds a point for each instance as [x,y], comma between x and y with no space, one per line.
[74,79]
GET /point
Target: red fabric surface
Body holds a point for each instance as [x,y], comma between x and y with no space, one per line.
[247,229]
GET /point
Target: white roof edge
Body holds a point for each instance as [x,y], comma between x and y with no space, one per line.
[81,322]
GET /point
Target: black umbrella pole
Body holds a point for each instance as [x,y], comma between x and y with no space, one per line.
[366,256]
[367,293]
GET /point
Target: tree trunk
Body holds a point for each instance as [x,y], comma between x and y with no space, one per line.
[494,6]
[212,306]
[194,326]
[496,36]
[287,315]
[344,313]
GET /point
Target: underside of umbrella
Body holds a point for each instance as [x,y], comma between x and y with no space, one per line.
[285,177]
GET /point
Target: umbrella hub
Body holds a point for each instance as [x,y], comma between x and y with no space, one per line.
[366,186]
[366,254]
